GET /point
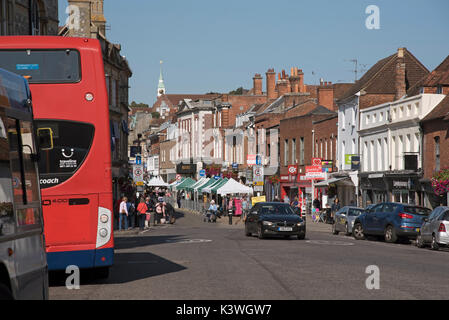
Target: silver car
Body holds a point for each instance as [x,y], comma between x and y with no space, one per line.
[435,229]
[344,219]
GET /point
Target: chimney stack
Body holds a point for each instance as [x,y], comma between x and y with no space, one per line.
[294,80]
[283,87]
[302,87]
[400,81]
[326,96]
[271,84]
[257,81]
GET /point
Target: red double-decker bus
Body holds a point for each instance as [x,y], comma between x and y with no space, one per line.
[68,87]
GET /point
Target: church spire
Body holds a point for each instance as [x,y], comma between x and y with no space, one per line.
[161,86]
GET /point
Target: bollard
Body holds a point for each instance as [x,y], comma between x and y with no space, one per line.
[230,217]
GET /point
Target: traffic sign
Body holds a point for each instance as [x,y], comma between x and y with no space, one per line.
[137,173]
[202,173]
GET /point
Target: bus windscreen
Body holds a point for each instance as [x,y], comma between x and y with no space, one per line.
[43,66]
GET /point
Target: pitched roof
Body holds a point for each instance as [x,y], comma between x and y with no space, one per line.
[440,111]
[176,98]
[439,76]
[381,78]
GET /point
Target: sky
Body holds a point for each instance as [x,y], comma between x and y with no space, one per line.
[218,45]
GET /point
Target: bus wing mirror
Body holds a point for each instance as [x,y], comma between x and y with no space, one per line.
[45,138]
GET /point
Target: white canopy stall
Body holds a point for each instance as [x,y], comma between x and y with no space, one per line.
[234,187]
[157,182]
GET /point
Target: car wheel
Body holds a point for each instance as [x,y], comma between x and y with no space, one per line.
[358,232]
[248,234]
[260,233]
[301,236]
[390,235]
[420,241]
[348,233]
[334,229]
[434,244]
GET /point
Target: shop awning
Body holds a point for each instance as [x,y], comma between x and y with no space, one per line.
[198,183]
[206,185]
[175,183]
[326,183]
[186,183]
[210,187]
[218,186]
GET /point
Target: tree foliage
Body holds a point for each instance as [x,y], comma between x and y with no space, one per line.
[138,105]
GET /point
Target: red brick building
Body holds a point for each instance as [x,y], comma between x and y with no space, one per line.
[435,127]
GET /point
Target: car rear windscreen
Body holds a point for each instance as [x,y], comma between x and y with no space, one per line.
[43,66]
[417,210]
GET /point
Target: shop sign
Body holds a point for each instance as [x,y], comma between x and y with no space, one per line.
[400,184]
[255,200]
[292,170]
[348,158]
[186,168]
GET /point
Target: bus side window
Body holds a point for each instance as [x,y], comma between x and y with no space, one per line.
[7,220]
[24,172]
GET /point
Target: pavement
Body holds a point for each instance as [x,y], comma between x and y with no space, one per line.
[193,260]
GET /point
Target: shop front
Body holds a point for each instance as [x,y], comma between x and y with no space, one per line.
[386,187]
[186,170]
[296,187]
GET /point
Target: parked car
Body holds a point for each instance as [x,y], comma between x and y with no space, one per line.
[390,220]
[435,229]
[274,218]
[344,219]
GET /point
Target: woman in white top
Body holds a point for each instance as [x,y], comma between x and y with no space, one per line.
[123,214]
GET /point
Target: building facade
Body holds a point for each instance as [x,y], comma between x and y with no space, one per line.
[29,17]
[391,144]
[388,80]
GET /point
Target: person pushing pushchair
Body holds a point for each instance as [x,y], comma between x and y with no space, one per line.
[211,213]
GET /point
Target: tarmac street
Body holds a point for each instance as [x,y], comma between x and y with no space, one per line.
[193,260]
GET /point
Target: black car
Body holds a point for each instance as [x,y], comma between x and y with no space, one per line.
[274,218]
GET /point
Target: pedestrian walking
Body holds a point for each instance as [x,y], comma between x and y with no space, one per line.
[123,214]
[238,209]
[244,208]
[131,210]
[142,213]
[178,199]
[160,211]
[335,207]
[149,219]
[170,212]
[230,209]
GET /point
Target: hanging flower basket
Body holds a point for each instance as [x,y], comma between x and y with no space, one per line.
[440,182]
[274,179]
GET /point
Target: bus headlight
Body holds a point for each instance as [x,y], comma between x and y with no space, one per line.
[104,218]
[103,233]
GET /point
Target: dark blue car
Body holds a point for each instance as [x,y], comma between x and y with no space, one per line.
[390,220]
